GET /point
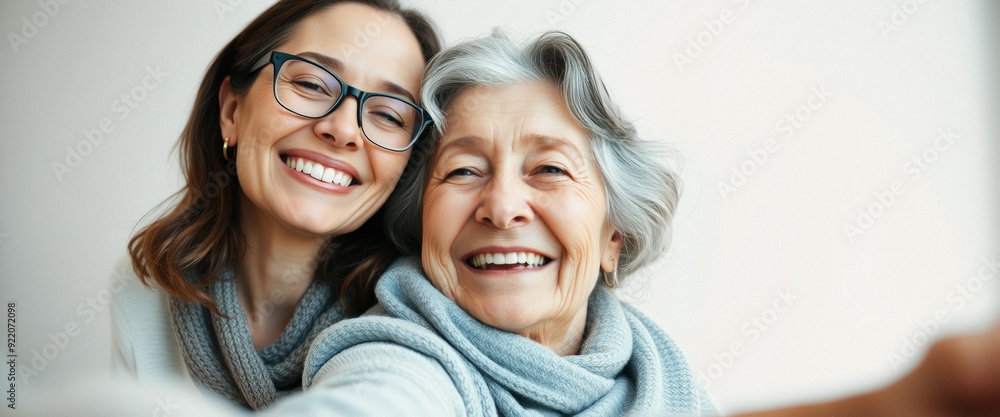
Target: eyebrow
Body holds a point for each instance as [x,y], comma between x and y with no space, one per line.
[557,144]
[337,66]
[465,143]
[544,142]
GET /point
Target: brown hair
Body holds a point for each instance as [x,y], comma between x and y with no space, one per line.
[186,250]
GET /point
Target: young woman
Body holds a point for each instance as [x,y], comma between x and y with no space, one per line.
[300,130]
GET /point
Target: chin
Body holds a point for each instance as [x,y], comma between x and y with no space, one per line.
[506,315]
[313,226]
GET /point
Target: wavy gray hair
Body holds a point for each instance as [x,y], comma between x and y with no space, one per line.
[642,187]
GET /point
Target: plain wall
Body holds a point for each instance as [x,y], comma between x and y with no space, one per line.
[768,290]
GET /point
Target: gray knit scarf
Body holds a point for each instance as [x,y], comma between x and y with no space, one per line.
[626,364]
[220,355]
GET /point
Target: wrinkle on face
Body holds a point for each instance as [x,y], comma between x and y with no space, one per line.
[514,169]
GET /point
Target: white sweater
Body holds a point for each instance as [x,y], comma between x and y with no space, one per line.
[145,350]
[144,346]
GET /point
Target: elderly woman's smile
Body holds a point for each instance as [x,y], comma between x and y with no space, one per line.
[486,260]
[516,227]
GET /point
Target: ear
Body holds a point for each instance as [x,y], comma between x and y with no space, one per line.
[228,103]
[612,251]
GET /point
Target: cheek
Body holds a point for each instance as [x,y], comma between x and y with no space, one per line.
[386,167]
[438,236]
[260,130]
[440,222]
[577,219]
[446,214]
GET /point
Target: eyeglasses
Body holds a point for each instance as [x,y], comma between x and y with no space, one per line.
[311,90]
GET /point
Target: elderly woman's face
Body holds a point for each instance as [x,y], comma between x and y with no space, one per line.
[266,135]
[514,220]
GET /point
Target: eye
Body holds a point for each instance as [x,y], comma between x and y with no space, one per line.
[461,172]
[388,117]
[306,85]
[549,169]
[311,87]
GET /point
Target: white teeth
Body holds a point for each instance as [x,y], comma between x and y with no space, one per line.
[319,172]
[328,175]
[528,259]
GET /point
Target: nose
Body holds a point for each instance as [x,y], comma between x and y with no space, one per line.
[341,126]
[504,203]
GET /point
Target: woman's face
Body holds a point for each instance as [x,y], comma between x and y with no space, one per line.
[369,49]
[514,220]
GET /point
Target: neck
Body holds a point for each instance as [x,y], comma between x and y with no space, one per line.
[274,273]
[563,335]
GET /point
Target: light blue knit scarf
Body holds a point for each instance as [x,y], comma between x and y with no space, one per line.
[626,363]
[220,354]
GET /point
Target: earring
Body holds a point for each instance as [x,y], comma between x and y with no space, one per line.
[225,149]
[613,283]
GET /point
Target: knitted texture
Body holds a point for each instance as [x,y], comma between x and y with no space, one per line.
[626,363]
[220,354]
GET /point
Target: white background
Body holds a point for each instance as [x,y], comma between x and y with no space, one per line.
[857,299]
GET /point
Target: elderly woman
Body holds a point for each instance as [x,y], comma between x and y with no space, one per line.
[537,199]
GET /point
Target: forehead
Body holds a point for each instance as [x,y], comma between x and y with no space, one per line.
[518,111]
[371,43]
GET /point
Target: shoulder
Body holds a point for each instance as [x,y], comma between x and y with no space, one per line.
[143,342]
[128,291]
[404,381]
[374,358]
[333,343]
[133,304]
[396,353]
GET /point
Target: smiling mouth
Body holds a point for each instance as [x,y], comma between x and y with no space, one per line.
[510,260]
[319,172]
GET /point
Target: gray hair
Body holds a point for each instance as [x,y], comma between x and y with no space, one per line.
[642,188]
